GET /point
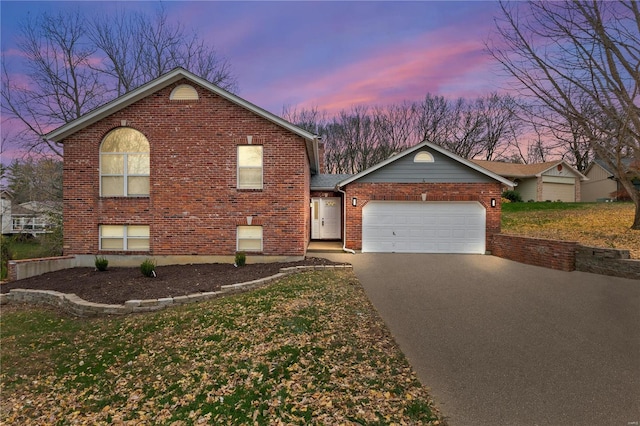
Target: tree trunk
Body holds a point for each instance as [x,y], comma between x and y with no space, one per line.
[636,219]
[635,197]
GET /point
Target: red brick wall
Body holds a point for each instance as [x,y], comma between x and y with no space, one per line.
[533,251]
[194,206]
[365,192]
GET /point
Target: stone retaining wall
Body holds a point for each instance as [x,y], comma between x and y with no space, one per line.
[605,261]
[566,256]
[82,308]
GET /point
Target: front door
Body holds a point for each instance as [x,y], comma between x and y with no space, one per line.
[325,218]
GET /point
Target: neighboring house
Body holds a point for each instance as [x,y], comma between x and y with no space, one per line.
[549,181]
[602,184]
[183,171]
[33,217]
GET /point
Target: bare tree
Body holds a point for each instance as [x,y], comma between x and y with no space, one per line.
[434,120]
[61,85]
[396,128]
[75,64]
[311,120]
[562,54]
[498,113]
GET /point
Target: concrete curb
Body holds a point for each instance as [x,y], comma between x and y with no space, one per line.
[82,308]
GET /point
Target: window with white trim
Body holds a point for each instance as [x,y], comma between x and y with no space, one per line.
[124,164]
[249,166]
[249,238]
[124,237]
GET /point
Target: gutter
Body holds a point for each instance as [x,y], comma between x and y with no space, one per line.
[344,222]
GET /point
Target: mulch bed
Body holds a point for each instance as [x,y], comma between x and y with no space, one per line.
[117,285]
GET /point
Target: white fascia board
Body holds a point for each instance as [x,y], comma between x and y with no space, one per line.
[563,162]
[435,148]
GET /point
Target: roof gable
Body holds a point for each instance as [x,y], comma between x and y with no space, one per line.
[369,174]
[177,74]
[514,170]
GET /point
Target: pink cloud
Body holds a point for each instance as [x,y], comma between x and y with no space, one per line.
[434,63]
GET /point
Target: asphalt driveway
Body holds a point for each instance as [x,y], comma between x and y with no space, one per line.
[502,343]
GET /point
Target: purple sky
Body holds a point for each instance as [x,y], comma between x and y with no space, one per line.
[329,55]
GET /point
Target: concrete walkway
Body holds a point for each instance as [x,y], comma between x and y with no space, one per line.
[503,343]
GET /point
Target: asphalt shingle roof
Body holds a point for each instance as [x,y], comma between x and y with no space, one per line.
[326,182]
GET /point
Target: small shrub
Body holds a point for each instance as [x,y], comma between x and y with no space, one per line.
[148,268]
[241,258]
[513,196]
[621,195]
[101,263]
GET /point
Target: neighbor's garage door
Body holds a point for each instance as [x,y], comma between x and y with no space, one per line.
[423,227]
[559,191]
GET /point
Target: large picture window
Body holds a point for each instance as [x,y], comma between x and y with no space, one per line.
[249,238]
[124,164]
[250,167]
[124,237]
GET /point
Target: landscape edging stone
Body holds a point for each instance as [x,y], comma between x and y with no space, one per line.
[75,305]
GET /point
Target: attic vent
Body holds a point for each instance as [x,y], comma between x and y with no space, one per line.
[423,157]
[184,92]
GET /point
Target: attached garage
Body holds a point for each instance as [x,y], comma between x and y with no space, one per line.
[422,200]
[555,190]
[423,227]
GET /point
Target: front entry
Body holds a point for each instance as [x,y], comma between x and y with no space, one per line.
[325,218]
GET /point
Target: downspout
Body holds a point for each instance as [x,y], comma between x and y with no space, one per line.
[344,222]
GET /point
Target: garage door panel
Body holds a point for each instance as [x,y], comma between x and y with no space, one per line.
[431,227]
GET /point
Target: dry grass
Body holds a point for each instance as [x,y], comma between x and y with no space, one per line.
[597,225]
[308,350]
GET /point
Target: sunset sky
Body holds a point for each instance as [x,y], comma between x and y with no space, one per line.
[330,55]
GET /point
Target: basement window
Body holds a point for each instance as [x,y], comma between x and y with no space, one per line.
[249,238]
[124,237]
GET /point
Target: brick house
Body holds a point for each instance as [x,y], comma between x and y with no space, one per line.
[183,171]
[423,200]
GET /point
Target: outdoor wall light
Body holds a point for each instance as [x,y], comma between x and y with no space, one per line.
[493,202]
[354,201]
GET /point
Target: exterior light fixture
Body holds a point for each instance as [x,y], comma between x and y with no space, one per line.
[354,201]
[493,202]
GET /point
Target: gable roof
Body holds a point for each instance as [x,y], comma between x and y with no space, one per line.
[514,170]
[436,148]
[177,74]
[629,163]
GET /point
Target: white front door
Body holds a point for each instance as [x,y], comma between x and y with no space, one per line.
[325,218]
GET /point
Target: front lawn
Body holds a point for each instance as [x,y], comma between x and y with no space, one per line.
[309,349]
[591,224]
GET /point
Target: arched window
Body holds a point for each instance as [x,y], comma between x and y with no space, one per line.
[184,92]
[124,164]
[423,157]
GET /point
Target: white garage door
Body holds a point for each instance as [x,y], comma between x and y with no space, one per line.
[423,227]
